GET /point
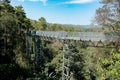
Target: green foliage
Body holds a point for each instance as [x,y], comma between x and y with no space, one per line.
[57,62]
[111,66]
[108,17]
[13,72]
[55,27]
[41,24]
[13,24]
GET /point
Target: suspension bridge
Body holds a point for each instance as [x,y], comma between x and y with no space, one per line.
[87,39]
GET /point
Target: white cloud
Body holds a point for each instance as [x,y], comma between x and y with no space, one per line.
[43,1]
[21,0]
[77,1]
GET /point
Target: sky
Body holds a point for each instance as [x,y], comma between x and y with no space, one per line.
[78,12]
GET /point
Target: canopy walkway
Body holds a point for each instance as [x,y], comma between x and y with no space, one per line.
[84,36]
[86,39]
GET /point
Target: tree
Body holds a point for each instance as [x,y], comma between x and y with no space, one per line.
[8,27]
[109,15]
[42,23]
[55,27]
[13,24]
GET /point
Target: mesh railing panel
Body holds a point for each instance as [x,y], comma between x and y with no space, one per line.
[86,36]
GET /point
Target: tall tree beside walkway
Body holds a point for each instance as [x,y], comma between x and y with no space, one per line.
[109,15]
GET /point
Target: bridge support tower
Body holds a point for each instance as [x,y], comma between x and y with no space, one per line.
[66,63]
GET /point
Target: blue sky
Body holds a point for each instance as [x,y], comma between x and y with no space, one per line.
[60,11]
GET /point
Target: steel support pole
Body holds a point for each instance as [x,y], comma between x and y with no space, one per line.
[66,64]
[28,45]
[37,45]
